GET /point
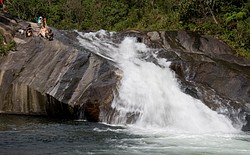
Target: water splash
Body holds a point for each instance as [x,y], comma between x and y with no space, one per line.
[150,94]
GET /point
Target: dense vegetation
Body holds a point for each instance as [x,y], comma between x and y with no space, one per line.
[4,48]
[227,20]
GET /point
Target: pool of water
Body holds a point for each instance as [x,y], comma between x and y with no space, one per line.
[40,135]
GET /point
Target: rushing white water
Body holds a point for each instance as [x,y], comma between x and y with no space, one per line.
[152,92]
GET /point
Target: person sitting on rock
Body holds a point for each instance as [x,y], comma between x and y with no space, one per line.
[50,35]
[29,31]
[43,33]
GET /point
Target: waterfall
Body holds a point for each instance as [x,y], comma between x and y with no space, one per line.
[149,92]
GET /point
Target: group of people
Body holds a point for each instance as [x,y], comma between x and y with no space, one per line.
[44,32]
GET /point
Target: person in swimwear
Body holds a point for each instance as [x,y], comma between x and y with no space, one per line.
[43,32]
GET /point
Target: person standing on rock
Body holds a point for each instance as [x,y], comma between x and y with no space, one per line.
[40,21]
[44,22]
[2,3]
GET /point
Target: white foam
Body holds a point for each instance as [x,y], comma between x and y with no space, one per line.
[153,92]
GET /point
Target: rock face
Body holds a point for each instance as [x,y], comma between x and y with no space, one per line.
[208,70]
[7,28]
[54,78]
[59,78]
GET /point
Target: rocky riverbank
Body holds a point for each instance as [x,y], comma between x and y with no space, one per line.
[60,78]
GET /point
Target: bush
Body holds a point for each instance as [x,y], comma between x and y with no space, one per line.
[4,48]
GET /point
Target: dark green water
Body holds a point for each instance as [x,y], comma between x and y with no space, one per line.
[38,136]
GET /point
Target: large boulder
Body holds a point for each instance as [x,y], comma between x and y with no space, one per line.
[208,69]
[55,78]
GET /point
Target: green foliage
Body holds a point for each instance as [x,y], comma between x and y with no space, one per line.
[4,48]
[225,19]
[236,16]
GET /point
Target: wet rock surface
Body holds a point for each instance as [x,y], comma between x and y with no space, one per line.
[207,69]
